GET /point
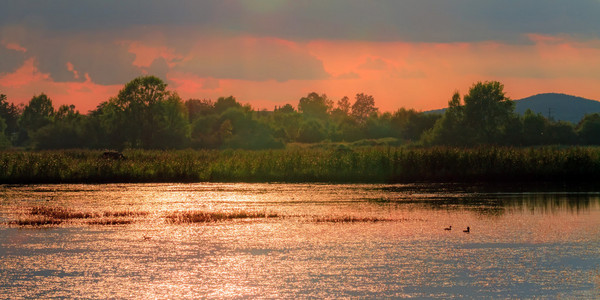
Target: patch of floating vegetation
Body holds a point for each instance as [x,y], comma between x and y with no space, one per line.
[59,213]
[35,221]
[110,221]
[52,216]
[180,217]
[350,219]
[124,213]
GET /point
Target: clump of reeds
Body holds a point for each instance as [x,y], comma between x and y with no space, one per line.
[214,216]
[110,221]
[124,213]
[35,221]
[52,215]
[349,219]
[59,213]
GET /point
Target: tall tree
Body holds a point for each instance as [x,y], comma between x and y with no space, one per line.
[10,113]
[483,118]
[588,129]
[315,105]
[37,114]
[487,109]
[146,115]
[197,108]
[344,105]
[363,107]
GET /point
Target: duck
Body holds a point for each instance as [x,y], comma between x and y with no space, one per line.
[448,228]
[467,230]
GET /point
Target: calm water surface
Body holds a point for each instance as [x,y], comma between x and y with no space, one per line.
[523,242]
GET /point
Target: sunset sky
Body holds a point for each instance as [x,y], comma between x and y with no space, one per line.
[412,53]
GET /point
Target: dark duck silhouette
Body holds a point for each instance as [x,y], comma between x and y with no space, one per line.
[467,230]
[448,228]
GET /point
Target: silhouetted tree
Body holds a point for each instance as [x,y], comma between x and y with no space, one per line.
[4,141]
[487,109]
[197,108]
[225,103]
[311,131]
[483,118]
[315,105]
[363,107]
[37,114]
[561,133]
[588,129]
[10,113]
[534,127]
[145,115]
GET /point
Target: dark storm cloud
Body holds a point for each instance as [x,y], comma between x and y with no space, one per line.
[411,20]
[106,61]
[10,60]
[253,59]
[93,35]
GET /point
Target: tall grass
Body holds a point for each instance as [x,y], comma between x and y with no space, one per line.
[367,164]
[214,216]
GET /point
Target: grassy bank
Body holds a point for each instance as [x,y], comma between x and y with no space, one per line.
[371,164]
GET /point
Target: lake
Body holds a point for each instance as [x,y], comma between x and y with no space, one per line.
[317,241]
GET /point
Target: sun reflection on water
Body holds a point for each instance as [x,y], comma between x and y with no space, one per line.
[374,241]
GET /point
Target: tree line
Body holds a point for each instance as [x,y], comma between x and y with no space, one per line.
[145,114]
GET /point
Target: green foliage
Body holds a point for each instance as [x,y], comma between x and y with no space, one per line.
[311,131]
[483,118]
[10,113]
[4,141]
[37,114]
[225,103]
[363,107]
[315,106]
[487,109]
[244,132]
[145,115]
[363,162]
[198,108]
[67,131]
[589,129]
[534,127]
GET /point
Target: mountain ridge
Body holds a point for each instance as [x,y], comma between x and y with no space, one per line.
[555,106]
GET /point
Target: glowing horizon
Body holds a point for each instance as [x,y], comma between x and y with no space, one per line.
[270,55]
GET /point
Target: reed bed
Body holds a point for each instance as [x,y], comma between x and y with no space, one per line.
[110,221]
[53,215]
[59,213]
[35,221]
[124,213]
[181,217]
[363,164]
[349,219]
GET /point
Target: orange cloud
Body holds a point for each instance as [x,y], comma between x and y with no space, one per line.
[28,81]
[263,71]
[146,54]
[14,46]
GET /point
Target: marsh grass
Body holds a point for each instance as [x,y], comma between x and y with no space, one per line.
[35,221]
[376,164]
[181,217]
[110,221]
[53,215]
[124,213]
[59,213]
[349,219]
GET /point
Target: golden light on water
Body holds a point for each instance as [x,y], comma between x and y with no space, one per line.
[325,241]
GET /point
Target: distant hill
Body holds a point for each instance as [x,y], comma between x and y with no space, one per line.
[557,106]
